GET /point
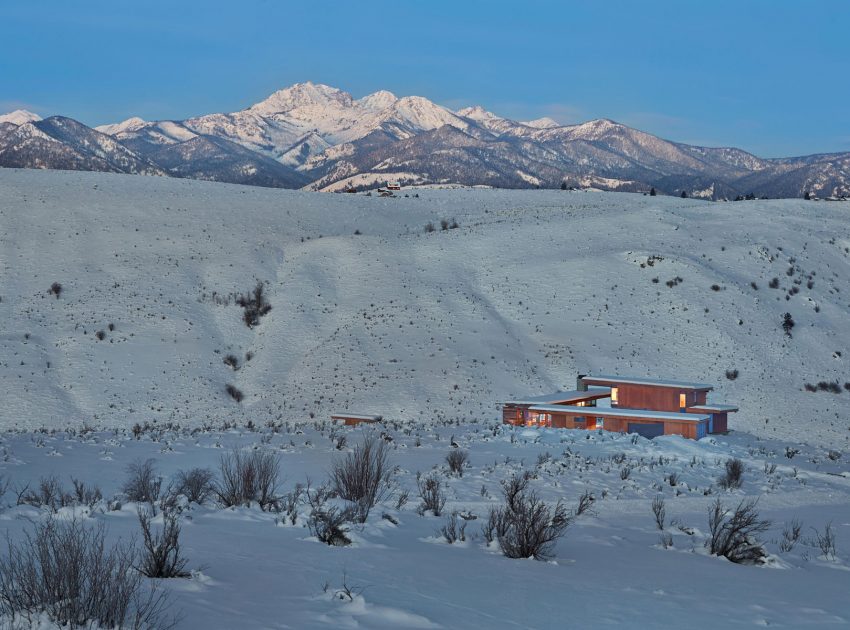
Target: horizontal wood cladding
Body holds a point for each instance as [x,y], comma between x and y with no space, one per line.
[654,398]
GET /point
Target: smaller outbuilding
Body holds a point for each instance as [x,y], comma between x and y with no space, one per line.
[350,419]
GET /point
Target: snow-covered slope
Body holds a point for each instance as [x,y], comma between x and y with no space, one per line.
[531,289]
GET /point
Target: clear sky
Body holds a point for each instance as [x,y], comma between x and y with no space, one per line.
[769,76]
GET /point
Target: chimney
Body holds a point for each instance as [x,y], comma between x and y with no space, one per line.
[580,385]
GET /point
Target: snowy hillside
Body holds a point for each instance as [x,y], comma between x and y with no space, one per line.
[532,288]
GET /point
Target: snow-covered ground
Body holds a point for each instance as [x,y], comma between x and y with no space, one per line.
[256,570]
[431,330]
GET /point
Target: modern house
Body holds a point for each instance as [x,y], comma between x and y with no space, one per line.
[649,407]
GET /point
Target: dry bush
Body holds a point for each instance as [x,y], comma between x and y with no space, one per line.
[254,476]
[826,541]
[142,485]
[431,493]
[457,461]
[234,392]
[735,536]
[197,484]
[327,523]
[526,526]
[454,530]
[65,571]
[86,495]
[161,556]
[733,477]
[363,476]
[659,511]
[790,535]
[254,304]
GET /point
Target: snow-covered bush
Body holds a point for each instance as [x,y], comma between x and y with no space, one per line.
[363,476]
[161,555]
[254,476]
[457,461]
[454,530]
[659,511]
[142,485]
[733,477]
[65,570]
[197,484]
[735,536]
[525,526]
[431,493]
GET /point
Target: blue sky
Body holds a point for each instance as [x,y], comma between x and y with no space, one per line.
[769,76]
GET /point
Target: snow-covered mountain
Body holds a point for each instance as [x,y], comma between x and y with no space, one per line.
[323,138]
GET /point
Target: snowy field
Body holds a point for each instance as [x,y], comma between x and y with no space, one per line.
[255,569]
[371,313]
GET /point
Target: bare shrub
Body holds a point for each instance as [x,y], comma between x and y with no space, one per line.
[247,477]
[457,461]
[197,484]
[231,361]
[234,392]
[731,374]
[825,541]
[733,477]
[735,536]
[254,304]
[328,522]
[526,526]
[142,485]
[431,493]
[454,530]
[364,476]
[625,472]
[49,494]
[290,501]
[56,289]
[86,495]
[659,511]
[790,535]
[666,540]
[65,571]
[161,556]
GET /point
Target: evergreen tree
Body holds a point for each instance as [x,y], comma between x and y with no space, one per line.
[684,194]
[652,192]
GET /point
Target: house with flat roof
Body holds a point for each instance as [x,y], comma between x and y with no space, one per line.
[649,407]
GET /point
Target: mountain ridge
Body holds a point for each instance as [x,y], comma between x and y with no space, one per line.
[320,137]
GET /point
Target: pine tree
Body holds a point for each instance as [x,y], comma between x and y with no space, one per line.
[684,194]
[652,192]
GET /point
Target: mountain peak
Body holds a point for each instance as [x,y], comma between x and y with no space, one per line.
[19,117]
[476,113]
[131,124]
[542,123]
[378,100]
[300,95]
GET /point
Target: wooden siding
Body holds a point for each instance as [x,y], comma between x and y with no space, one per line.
[649,397]
[567,420]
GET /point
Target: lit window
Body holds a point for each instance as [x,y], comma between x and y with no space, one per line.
[683,401]
[599,423]
[614,394]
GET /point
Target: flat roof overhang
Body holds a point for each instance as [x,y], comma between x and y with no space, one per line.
[650,382]
[355,416]
[604,412]
[714,408]
[562,397]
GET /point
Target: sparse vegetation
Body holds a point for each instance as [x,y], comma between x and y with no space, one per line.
[142,484]
[249,477]
[733,477]
[254,305]
[161,557]
[431,493]
[234,392]
[457,460]
[735,536]
[364,476]
[65,571]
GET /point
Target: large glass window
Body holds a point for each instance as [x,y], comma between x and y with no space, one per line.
[683,401]
[614,396]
